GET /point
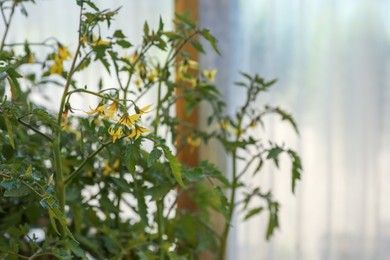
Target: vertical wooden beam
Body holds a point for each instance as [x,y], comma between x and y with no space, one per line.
[187,155]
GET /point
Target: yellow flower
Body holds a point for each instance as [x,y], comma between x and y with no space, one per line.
[138,83]
[134,57]
[194,142]
[56,68]
[63,53]
[137,131]
[210,74]
[224,125]
[99,110]
[194,82]
[99,41]
[153,75]
[110,169]
[129,121]
[115,134]
[145,109]
[110,112]
[31,58]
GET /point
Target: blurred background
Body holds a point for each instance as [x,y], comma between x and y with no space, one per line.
[331,59]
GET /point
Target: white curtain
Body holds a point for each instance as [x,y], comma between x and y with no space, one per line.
[331,59]
[59,19]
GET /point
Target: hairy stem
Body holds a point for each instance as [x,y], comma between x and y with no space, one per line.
[160,221]
[59,179]
[225,234]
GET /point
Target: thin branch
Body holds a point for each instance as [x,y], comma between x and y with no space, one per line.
[7,23]
[34,129]
[80,167]
[25,184]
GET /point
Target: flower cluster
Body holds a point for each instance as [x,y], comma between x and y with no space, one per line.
[187,71]
[62,54]
[125,125]
[144,72]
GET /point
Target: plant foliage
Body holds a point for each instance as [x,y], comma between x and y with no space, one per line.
[104,184]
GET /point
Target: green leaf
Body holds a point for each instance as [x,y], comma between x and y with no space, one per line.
[78,251]
[18,192]
[124,44]
[53,220]
[9,129]
[119,34]
[186,19]
[121,183]
[287,117]
[296,168]
[28,171]
[198,46]
[142,207]
[273,153]
[175,165]
[146,29]
[253,212]
[154,155]
[205,169]
[273,221]
[16,91]
[224,206]
[84,64]
[56,214]
[45,117]
[158,192]
[211,39]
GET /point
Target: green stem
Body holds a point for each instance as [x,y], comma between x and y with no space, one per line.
[232,204]
[78,170]
[160,221]
[59,179]
[7,23]
[35,130]
[59,182]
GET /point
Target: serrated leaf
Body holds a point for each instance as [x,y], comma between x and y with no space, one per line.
[198,46]
[124,44]
[175,165]
[158,192]
[28,171]
[154,155]
[253,212]
[84,64]
[273,154]
[296,168]
[45,117]
[121,183]
[78,251]
[287,117]
[211,39]
[142,207]
[52,218]
[146,29]
[56,214]
[172,35]
[16,91]
[9,129]
[17,192]
[185,19]
[273,221]
[224,202]
[119,34]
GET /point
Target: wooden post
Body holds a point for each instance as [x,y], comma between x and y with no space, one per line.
[187,155]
